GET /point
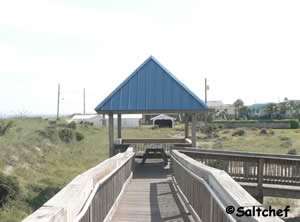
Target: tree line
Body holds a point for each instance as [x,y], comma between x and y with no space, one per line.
[285,109]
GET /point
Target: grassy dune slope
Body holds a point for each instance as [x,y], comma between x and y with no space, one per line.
[42,163]
[275,141]
[33,152]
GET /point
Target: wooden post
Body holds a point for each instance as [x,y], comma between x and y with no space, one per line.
[83,101]
[111,134]
[260,177]
[194,142]
[186,125]
[58,98]
[103,121]
[119,126]
[205,91]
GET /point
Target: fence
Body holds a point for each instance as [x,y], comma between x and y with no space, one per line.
[207,191]
[250,167]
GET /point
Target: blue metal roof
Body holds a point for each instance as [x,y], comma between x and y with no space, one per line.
[151,88]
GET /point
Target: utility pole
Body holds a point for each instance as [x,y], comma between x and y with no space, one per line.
[206,91]
[58,95]
[83,101]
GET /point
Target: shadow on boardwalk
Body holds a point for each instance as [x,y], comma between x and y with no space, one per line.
[151,196]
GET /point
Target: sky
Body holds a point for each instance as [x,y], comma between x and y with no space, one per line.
[245,49]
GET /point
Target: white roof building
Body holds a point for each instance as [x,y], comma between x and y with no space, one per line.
[128,121]
[163,119]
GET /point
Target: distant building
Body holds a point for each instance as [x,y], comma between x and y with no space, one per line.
[146,118]
[128,121]
[258,110]
[163,120]
[222,109]
[95,119]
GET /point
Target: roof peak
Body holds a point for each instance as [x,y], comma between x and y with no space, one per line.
[149,89]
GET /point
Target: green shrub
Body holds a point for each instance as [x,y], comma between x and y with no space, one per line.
[210,129]
[217,145]
[5,126]
[286,144]
[44,194]
[72,125]
[284,138]
[49,133]
[292,152]
[239,132]
[263,132]
[52,122]
[155,127]
[79,136]
[86,124]
[9,188]
[294,124]
[66,135]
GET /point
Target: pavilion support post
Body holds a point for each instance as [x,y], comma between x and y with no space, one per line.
[194,142]
[119,126]
[186,125]
[103,121]
[111,134]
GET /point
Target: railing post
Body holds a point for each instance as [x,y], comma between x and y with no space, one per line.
[194,141]
[119,126]
[186,125]
[211,209]
[246,169]
[111,134]
[260,177]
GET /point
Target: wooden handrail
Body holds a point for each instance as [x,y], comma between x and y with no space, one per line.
[227,190]
[258,168]
[152,140]
[239,153]
[72,199]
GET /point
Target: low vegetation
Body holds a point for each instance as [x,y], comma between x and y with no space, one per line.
[5,126]
[39,157]
[294,123]
[279,141]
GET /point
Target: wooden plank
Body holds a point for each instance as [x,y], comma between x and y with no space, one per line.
[151,196]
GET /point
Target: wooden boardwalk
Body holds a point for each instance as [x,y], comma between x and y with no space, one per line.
[151,196]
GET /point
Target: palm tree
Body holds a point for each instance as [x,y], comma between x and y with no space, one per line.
[237,106]
[271,109]
[244,111]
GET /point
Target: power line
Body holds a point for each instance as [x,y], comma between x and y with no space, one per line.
[83,101]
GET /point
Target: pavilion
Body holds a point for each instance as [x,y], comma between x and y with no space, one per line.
[151,88]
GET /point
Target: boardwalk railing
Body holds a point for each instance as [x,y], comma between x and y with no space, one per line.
[140,145]
[252,167]
[91,196]
[208,191]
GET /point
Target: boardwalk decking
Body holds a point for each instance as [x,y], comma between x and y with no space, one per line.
[151,196]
